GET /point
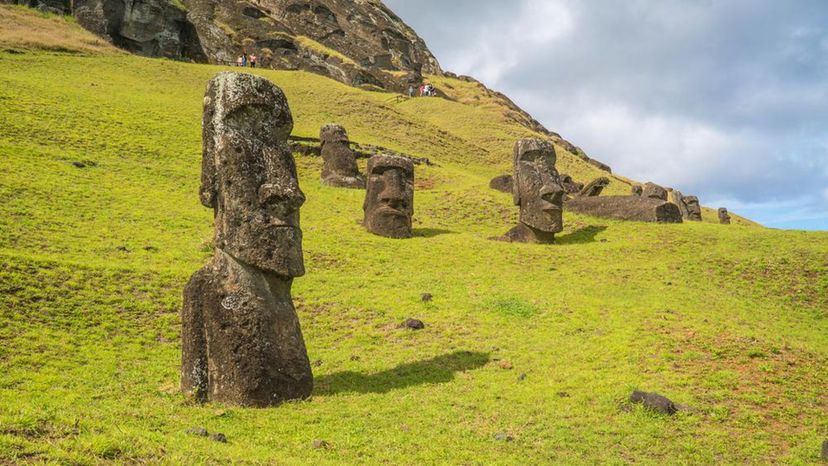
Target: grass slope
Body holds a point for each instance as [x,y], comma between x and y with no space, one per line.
[730,320]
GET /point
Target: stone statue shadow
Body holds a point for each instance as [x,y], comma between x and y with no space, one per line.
[431,232]
[437,370]
[581,236]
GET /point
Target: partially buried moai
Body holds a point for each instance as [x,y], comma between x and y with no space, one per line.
[389,199]
[537,191]
[694,213]
[340,167]
[241,340]
[724,216]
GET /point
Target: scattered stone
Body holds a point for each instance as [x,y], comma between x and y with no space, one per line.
[538,193]
[317,363]
[320,445]
[724,216]
[219,437]
[521,377]
[563,394]
[595,187]
[79,164]
[355,358]
[426,297]
[414,324]
[502,183]
[654,402]
[505,365]
[654,191]
[631,208]
[825,450]
[84,163]
[389,199]
[198,432]
[238,308]
[122,249]
[151,249]
[340,167]
[503,437]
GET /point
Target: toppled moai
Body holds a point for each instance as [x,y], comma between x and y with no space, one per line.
[570,186]
[631,208]
[538,193]
[595,187]
[724,216]
[654,191]
[340,168]
[502,183]
[241,339]
[389,199]
[694,213]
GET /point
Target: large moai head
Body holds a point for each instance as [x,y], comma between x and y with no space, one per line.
[249,175]
[389,199]
[724,216]
[654,191]
[694,212]
[537,189]
[340,167]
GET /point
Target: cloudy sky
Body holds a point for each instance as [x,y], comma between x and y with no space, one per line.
[727,100]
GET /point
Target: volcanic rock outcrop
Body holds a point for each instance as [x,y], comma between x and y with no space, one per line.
[631,208]
[538,193]
[241,340]
[389,198]
[340,168]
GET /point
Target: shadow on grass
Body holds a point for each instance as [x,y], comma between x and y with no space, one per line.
[584,235]
[430,232]
[440,369]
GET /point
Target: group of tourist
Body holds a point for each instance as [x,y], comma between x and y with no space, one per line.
[425,90]
[245,60]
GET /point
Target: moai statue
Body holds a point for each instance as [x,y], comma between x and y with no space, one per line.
[694,213]
[538,193]
[678,200]
[637,190]
[595,187]
[654,191]
[241,340]
[502,183]
[340,167]
[571,186]
[389,199]
[724,216]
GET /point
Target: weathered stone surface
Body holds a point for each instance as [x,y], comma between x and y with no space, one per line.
[570,186]
[632,208]
[389,199]
[414,324]
[694,212]
[502,183]
[654,402]
[677,198]
[241,340]
[339,162]
[825,450]
[654,191]
[594,187]
[637,190]
[724,216]
[537,191]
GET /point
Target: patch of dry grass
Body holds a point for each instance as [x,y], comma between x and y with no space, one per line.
[22,28]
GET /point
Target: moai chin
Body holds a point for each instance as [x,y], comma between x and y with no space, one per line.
[241,339]
[694,213]
[340,167]
[724,216]
[537,191]
[389,198]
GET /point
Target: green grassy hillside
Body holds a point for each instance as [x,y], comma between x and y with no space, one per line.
[729,320]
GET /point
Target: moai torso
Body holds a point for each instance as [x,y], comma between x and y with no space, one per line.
[340,167]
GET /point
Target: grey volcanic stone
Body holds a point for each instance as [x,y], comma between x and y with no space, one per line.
[219,437]
[414,324]
[198,431]
[340,167]
[634,208]
[537,191]
[825,450]
[241,340]
[595,187]
[502,183]
[389,198]
[694,212]
[637,190]
[654,191]
[677,198]
[654,402]
[570,186]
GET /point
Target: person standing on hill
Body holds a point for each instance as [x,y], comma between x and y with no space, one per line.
[252,60]
[244,60]
[239,60]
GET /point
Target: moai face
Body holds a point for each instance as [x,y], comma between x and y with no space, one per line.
[249,175]
[693,208]
[389,200]
[537,189]
[724,216]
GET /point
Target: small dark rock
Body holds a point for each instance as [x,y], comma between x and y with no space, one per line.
[414,324]
[825,450]
[563,394]
[150,249]
[654,402]
[317,363]
[219,437]
[502,183]
[122,249]
[355,358]
[320,444]
[79,164]
[426,297]
[198,431]
[522,377]
[503,437]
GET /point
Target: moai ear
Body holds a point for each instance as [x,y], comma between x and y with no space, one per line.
[208,190]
